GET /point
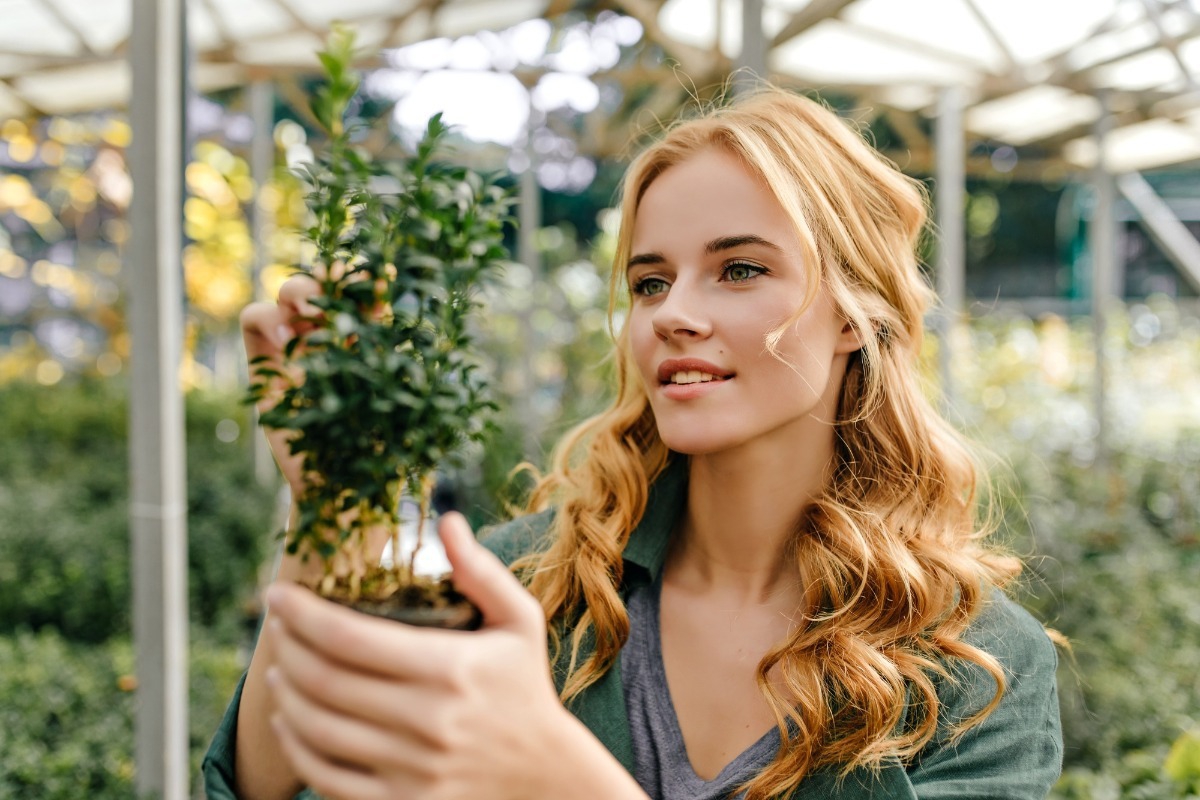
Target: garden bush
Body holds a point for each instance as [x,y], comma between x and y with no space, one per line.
[66,713]
[64,516]
[1112,538]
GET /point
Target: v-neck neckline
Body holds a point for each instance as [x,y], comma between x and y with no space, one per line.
[754,751]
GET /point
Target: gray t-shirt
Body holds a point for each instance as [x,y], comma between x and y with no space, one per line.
[661,763]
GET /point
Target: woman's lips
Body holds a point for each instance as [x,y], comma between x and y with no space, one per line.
[689,378]
[692,371]
[689,391]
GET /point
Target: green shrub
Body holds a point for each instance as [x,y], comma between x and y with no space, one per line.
[1112,543]
[1114,566]
[64,517]
[66,714]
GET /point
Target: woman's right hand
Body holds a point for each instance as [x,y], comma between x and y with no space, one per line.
[266,330]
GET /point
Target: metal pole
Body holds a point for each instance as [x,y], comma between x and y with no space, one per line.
[950,203]
[752,63]
[529,222]
[262,163]
[1102,242]
[1173,238]
[158,507]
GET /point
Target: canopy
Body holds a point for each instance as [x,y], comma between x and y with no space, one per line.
[1034,72]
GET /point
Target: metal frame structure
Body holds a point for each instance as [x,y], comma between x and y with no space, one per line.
[158,497]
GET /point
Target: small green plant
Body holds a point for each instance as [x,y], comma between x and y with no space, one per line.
[384,389]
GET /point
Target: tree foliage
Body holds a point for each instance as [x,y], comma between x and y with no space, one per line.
[386,387]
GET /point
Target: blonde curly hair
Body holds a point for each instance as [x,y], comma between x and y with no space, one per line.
[892,551]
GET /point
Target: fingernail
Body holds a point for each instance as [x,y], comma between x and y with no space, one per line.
[272,676]
[283,334]
[274,595]
[276,723]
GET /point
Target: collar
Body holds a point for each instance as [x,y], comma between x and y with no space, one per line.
[649,541]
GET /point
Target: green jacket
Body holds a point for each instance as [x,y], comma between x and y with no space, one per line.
[1014,754]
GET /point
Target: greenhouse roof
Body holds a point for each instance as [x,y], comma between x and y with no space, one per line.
[1036,74]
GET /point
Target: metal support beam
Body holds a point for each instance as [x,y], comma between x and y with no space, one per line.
[752,62]
[810,15]
[262,164]
[158,507]
[1102,242]
[1154,12]
[950,208]
[1172,237]
[529,222]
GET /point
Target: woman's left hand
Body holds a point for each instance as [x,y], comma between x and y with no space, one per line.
[370,708]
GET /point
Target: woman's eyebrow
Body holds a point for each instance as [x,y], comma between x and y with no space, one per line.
[714,246]
[644,258]
[730,242]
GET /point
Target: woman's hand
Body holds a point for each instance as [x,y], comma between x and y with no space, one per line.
[370,708]
[266,330]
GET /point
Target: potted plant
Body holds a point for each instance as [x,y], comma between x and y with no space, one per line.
[385,389]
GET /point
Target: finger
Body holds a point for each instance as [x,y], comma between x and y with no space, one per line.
[295,298]
[370,697]
[334,736]
[265,330]
[485,580]
[359,641]
[329,779]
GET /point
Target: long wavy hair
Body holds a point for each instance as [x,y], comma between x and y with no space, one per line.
[892,552]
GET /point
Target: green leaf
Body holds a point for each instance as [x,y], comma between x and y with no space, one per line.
[1183,761]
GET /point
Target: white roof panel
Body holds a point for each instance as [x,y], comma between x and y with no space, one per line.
[833,53]
[29,28]
[1146,145]
[1032,114]
[949,27]
[1032,65]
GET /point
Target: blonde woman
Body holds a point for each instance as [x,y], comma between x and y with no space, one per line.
[760,571]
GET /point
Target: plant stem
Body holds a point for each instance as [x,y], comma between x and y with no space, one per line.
[395,523]
[426,496]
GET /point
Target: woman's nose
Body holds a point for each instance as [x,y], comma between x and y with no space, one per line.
[681,314]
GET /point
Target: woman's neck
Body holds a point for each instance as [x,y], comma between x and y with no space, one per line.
[743,507]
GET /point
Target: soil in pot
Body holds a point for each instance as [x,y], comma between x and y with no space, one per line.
[423,601]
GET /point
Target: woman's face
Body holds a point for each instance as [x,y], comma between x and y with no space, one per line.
[715,267]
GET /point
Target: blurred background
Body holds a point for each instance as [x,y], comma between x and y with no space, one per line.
[1060,141]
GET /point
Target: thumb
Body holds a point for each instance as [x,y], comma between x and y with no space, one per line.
[486,582]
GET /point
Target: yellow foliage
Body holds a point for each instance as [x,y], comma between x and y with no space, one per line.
[219,288]
[15,192]
[12,128]
[117,133]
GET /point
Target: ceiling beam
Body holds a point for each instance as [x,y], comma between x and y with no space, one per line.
[812,14]
[11,91]
[994,35]
[53,10]
[693,61]
[298,20]
[223,33]
[1154,12]
[903,42]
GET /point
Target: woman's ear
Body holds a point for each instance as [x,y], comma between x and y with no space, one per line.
[849,339]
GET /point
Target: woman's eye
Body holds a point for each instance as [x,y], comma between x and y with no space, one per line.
[740,273]
[648,287]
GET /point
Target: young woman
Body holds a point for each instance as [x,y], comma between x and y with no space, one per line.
[760,570]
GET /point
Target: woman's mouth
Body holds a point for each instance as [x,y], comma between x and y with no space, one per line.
[684,378]
[688,371]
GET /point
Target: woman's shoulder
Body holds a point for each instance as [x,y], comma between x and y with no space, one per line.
[1016,750]
[519,537]
[1007,631]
